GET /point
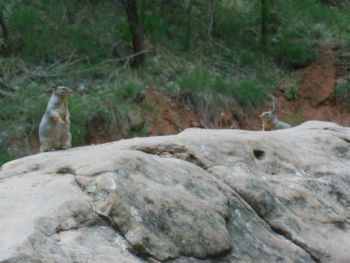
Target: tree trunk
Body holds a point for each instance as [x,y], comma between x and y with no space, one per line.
[136,32]
[264,24]
[166,4]
[212,17]
[168,11]
[4,46]
[189,25]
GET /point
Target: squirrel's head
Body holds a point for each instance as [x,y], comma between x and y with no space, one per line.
[62,91]
[268,115]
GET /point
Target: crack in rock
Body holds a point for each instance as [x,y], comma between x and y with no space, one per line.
[172,150]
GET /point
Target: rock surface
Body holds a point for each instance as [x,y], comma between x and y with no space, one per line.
[199,196]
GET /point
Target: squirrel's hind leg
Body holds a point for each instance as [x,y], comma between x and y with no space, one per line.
[44,148]
[68,142]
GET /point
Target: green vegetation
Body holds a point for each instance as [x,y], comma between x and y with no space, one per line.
[251,92]
[86,45]
[342,94]
[342,90]
[291,93]
[4,156]
[110,104]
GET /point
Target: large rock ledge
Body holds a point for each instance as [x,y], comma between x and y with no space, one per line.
[199,196]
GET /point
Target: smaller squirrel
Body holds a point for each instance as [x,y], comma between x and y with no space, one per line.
[270,120]
[54,129]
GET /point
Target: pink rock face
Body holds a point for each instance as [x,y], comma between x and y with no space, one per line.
[232,195]
[320,79]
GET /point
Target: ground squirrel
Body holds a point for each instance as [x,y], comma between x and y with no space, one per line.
[270,120]
[54,127]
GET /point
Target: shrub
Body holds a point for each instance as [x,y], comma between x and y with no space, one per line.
[4,156]
[222,86]
[342,94]
[249,92]
[111,104]
[154,26]
[54,30]
[292,53]
[79,108]
[24,18]
[33,104]
[33,38]
[127,92]
[197,81]
[248,59]
[291,94]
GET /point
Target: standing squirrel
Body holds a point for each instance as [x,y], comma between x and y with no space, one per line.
[270,120]
[54,127]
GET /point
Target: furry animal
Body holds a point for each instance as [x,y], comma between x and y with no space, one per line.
[270,121]
[54,129]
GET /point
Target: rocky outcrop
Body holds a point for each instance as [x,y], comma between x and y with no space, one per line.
[199,196]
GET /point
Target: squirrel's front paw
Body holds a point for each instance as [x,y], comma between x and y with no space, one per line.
[56,120]
[67,145]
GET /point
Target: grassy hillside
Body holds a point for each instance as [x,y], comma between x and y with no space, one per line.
[86,46]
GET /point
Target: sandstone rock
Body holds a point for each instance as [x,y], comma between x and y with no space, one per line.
[199,196]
